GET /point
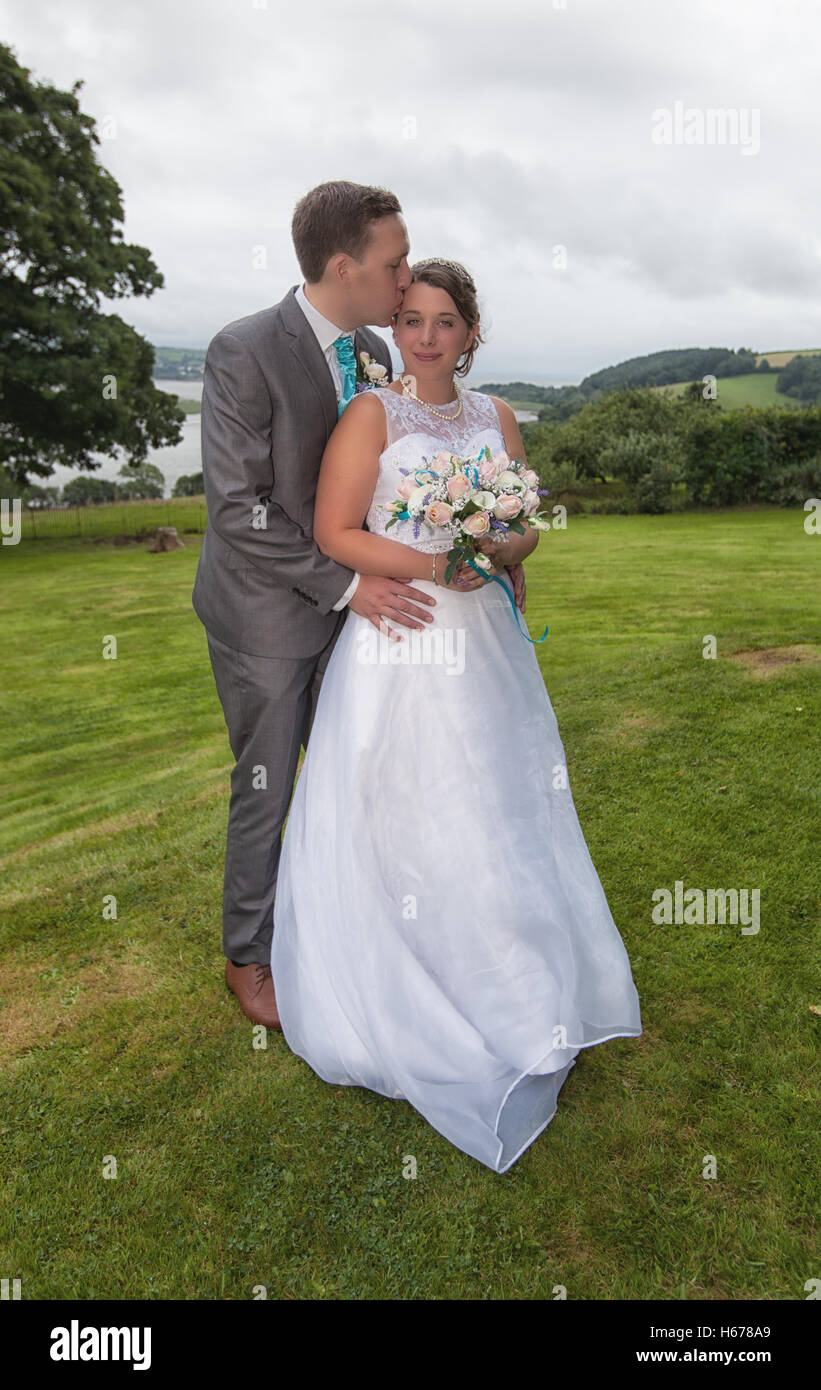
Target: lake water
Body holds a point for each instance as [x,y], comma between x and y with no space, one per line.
[180,459]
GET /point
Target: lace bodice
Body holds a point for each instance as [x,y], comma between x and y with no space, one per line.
[413,435]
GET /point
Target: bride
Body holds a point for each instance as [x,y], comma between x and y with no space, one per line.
[440,932]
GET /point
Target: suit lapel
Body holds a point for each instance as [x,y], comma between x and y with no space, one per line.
[308,353]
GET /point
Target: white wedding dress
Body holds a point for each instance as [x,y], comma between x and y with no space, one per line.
[440,931]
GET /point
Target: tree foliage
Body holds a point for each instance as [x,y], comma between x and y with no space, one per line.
[665,451]
[188,485]
[801,378]
[73,379]
[86,491]
[669,366]
[141,480]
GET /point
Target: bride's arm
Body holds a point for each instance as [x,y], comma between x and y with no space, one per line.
[347,478]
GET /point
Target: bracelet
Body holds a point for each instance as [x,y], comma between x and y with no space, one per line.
[435,580]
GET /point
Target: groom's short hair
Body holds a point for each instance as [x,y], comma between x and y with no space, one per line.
[336,217]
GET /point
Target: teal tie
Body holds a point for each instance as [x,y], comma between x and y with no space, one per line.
[347,366]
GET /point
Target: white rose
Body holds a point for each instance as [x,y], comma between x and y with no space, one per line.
[510,481]
[374,371]
[485,500]
[417,497]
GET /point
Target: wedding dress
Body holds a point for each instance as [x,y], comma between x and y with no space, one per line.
[440,932]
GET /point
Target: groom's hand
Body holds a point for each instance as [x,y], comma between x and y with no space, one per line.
[376,598]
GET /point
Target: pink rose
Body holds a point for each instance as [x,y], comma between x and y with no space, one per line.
[507,507]
[457,486]
[531,477]
[405,489]
[487,470]
[477,525]
[438,513]
[531,501]
[502,460]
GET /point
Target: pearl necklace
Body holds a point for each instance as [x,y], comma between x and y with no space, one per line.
[406,391]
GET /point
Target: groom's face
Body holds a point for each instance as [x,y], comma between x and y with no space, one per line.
[378,282]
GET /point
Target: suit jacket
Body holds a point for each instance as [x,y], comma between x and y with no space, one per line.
[268,409]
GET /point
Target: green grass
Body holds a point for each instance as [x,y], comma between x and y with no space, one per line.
[532,406]
[110,519]
[239,1167]
[734,392]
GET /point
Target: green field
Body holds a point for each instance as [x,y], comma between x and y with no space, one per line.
[238,1167]
[110,519]
[734,392]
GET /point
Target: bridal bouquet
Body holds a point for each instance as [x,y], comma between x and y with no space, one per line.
[486,496]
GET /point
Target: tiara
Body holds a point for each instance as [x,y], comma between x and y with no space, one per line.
[457,269]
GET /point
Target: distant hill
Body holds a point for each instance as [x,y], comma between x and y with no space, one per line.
[671,365]
[782,356]
[178,364]
[743,378]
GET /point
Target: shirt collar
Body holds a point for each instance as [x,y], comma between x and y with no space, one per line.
[326,332]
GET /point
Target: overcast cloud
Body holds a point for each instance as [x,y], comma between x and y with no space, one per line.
[533,129]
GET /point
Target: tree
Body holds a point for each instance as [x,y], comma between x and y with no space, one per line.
[146,480]
[188,485]
[83,492]
[801,378]
[73,380]
[619,432]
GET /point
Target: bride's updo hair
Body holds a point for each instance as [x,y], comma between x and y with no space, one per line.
[452,277]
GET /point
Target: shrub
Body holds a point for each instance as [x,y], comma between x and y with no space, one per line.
[654,491]
[793,483]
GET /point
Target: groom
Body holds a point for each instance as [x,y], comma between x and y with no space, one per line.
[272,604]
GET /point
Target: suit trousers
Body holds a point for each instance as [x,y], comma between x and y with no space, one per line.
[269,705]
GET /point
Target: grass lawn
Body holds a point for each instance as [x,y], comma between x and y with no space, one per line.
[116,520]
[734,392]
[237,1166]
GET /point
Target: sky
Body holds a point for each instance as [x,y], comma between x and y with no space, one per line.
[565,152]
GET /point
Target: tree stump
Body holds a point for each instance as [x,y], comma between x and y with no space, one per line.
[166,539]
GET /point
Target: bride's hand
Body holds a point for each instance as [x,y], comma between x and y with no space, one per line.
[464,577]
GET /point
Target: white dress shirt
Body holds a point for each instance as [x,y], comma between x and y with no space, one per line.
[326,334]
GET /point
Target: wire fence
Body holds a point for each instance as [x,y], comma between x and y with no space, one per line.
[132,519]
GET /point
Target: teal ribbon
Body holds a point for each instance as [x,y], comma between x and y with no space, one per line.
[512,601]
[343,346]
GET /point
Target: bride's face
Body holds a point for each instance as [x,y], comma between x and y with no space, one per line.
[430,332]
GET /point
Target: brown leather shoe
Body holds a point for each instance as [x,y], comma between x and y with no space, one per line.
[254,987]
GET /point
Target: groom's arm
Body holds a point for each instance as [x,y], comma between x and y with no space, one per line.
[238,475]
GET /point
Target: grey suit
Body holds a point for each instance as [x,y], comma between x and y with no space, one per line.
[263,590]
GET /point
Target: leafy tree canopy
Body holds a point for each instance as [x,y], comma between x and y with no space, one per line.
[73,380]
[801,378]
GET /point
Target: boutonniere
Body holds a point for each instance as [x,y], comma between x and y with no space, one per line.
[369,374]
